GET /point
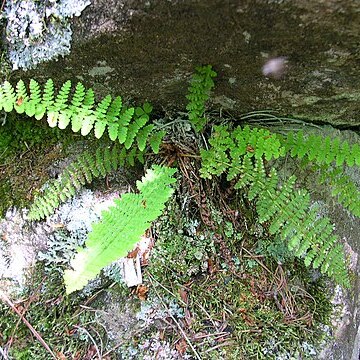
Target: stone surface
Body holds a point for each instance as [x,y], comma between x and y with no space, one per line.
[147,50]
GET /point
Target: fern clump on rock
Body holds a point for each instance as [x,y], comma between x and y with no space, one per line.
[128,127]
[243,154]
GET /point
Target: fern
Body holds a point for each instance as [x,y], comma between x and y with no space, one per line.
[126,125]
[328,156]
[242,155]
[199,92]
[321,150]
[121,227]
[342,188]
[81,171]
[155,141]
[229,147]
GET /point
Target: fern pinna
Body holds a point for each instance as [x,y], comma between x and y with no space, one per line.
[242,154]
[121,227]
[126,125]
[83,170]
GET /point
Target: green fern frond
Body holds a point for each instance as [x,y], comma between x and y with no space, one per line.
[35,98]
[133,130]
[78,97]
[144,111]
[127,125]
[112,117]
[308,236]
[198,93]
[142,115]
[114,110]
[22,97]
[47,100]
[58,108]
[83,111]
[65,115]
[107,161]
[102,108]
[142,136]
[124,121]
[100,116]
[216,160]
[242,155]
[121,227]
[7,97]
[83,170]
[229,147]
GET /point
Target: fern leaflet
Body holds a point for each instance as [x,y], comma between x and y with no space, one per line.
[320,150]
[83,170]
[342,187]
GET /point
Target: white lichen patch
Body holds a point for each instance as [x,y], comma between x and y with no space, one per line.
[225,102]
[53,241]
[247,36]
[340,318]
[340,321]
[38,31]
[352,257]
[123,320]
[19,245]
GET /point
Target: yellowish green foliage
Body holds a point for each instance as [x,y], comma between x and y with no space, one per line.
[121,227]
[78,109]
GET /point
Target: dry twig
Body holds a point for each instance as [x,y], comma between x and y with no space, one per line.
[91,338]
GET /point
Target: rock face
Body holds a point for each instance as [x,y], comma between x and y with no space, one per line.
[146,50]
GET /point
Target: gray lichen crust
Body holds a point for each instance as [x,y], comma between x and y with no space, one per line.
[38,31]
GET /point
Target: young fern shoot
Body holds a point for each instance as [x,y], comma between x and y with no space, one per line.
[199,92]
